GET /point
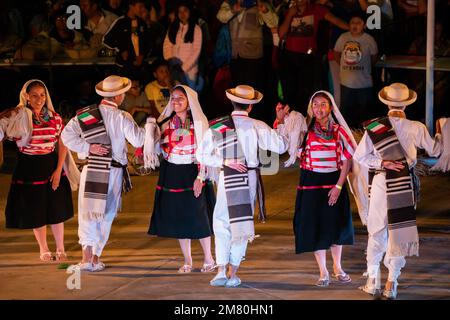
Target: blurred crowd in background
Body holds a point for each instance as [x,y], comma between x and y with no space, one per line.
[283,48]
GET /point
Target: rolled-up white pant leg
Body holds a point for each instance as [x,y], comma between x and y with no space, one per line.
[225,251]
[394,265]
[377,225]
[221,226]
[96,234]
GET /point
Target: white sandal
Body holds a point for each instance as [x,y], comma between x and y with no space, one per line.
[46,256]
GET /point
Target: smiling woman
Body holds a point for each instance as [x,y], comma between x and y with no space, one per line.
[40,192]
[322,211]
[184,199]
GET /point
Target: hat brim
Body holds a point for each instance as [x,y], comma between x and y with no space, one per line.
[233,97]
[412,97]
[125,87]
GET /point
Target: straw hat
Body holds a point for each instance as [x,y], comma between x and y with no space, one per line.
[113,86]
[244,94]
[397,95]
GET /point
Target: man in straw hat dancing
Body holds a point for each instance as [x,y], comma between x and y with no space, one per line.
[231,143]
[100,133]
[388,150]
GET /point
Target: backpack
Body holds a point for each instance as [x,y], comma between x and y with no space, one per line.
[222,52]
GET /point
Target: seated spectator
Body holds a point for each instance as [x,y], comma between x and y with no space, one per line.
[158,91]
[356,52]
[39,46]
[65,36]
[129,37]
[441,43]
[182,46]
[136,103]
[11,29]
[98,21]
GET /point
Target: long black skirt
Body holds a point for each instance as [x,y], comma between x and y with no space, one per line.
[32,203]
[318,226]
[176,212]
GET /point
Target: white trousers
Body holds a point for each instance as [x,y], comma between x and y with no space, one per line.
[225,251]
[377,226]
[96,234]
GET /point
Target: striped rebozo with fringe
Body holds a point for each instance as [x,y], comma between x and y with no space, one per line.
[236,184]
[98,167]
[403,235]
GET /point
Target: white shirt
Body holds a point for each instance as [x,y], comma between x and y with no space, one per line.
[187,52]
[252,134]
[104,23]
[410,134]
[120,127]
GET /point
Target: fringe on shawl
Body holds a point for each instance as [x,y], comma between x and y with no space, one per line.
[443,163]
[152,136]
[295,126]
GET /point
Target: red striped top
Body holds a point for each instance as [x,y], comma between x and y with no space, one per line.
[321,155]
[178,141]
[44,136]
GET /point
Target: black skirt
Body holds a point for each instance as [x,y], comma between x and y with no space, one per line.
[318,226]
[32,203]
[176,212]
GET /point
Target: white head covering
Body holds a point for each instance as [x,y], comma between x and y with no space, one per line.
[337,114]
[21,124]
[201,123]
[23,95]
[358,175]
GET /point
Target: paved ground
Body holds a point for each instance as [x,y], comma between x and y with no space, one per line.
[142,267]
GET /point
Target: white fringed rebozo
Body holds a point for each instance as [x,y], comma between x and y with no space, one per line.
[152,136]
[443,163]
[295,126]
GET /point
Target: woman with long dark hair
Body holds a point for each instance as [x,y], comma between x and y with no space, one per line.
[183,44]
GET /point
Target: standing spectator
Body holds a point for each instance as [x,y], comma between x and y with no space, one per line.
[342,10]
[183,44]
[356,52]
[246,19]
[98,21]
[299,29]
[156,30]
[127,36]
[158,91]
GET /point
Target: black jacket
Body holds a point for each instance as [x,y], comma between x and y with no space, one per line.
[118,37]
